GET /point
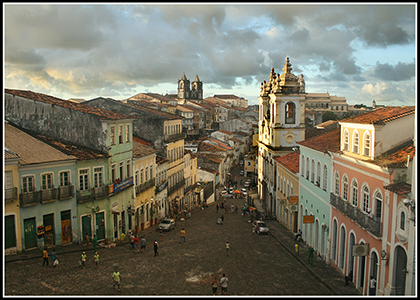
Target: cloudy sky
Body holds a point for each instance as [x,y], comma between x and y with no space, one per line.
[361,52]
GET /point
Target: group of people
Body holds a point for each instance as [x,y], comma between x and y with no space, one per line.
[134,242]
[222,283]
[45,257]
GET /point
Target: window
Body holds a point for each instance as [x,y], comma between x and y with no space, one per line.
[146,173]
[98,177]
[112,135]
[46,181]
[318,174]
[83,179]
[113,173]
[141,175]
[345,188]
[355,190]
[356,142]
[290,113]
[365,198]
[302,166]
[128,168]
[121,167]
[64,178]
[325,179]
[378,200]
[137,177]
[151,172]
[312,171]
[402,221]
[346,141]
[307,168]
[127,133]
[120,134]
[367,145]
[28,184]
[337,183]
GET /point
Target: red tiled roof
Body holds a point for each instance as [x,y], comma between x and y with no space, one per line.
[382,115]
[400,188]
[290,161]
[226,132]
[227,97]
[154,111]
[203,146]
[329,141]
[221,144]
[140,150]
[397,157]
[101,113]
[140,141]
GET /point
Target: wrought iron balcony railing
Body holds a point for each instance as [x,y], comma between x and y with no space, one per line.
[10,195]
[356,215]
[145,186]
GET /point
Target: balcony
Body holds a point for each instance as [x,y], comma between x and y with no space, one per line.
[190,187]
[65,192]
[29,199]
[174,137]
[145,186]
[356,215]
[49,195]
[10,195]
[176,186]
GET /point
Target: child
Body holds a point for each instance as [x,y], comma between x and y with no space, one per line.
[96,259]
[83,258]
[54,258]
[227,247]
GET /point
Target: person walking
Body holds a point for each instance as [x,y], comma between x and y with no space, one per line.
[143,244]
[83,258]
[132,237]
[182,233]
[349,278]
[160,234]
[136,243]
[54,258]
[227,245]
[223,284]
[217,208]
[45,256]
[95,243]
[96,259]
[214,285]
[155,247]
[372,286]
[222,217]
[299,234]
[117,279]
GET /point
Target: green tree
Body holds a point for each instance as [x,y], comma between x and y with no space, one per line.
[328,115]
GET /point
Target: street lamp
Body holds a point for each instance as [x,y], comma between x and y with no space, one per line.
[384,256]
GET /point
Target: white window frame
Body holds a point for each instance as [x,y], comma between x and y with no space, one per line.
[85,173]
[127,133]
[47,184]
[28,184]
[112,135]
[98,176]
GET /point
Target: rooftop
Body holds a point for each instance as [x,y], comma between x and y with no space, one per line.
[290,161]
[382,115]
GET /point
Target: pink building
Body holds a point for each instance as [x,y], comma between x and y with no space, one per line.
[375,151]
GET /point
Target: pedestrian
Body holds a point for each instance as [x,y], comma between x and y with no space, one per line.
[232,208]
[160,234]
[222,217]
[217,208]
[236,209]
[299,234]
[214,285]
[45,256]
[223,284]
[95,243]
[132,237]
[372,286]
[136,243]
[87,240]
[258,229]
[226,209]
[182,233]
[310,255]
[155,247]
[96,259]
[254,228]
[83,258]
[143,244]
[349,277]
[227,245]
[117,279]
[54,258]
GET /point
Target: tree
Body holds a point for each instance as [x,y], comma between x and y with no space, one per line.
[328,115]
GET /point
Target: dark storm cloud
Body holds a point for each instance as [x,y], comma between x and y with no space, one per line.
[399,72]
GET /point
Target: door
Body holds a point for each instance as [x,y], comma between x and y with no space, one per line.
[30,233]
[49,237]
[100,225]
[66,226]
[10,231]
[400,270]
[86,227]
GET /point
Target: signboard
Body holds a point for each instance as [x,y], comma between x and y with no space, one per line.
[293,200]
[308,219]
[360,250]
[114,206]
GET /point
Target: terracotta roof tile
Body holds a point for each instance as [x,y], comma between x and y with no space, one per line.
[329,141]
[290,161]
[140,150]
[154,111]
[382,115]
[400,188]
[397,157]
[101,113]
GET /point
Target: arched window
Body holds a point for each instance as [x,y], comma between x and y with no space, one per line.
[365,198]
[346,140]
[324,181]
[378,206]
[366,148]
[355,190]
[307,168]
[345,188]
[302,167]
[337,183]
[290,113]
[356,142]
[312,170]
[402,221]
[318,173]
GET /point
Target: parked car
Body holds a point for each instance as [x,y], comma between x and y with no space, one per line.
[224,192]
[230,190]
[167,224]
[263,226]
[241,173]
[244,192]
[246,184]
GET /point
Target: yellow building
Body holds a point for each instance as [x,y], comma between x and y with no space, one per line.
[13,240]
[144,165]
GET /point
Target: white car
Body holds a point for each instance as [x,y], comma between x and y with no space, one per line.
[263,226]
[241,173]
[231,190]
[167,224]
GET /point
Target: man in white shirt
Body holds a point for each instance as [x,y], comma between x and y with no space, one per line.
[223,284]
